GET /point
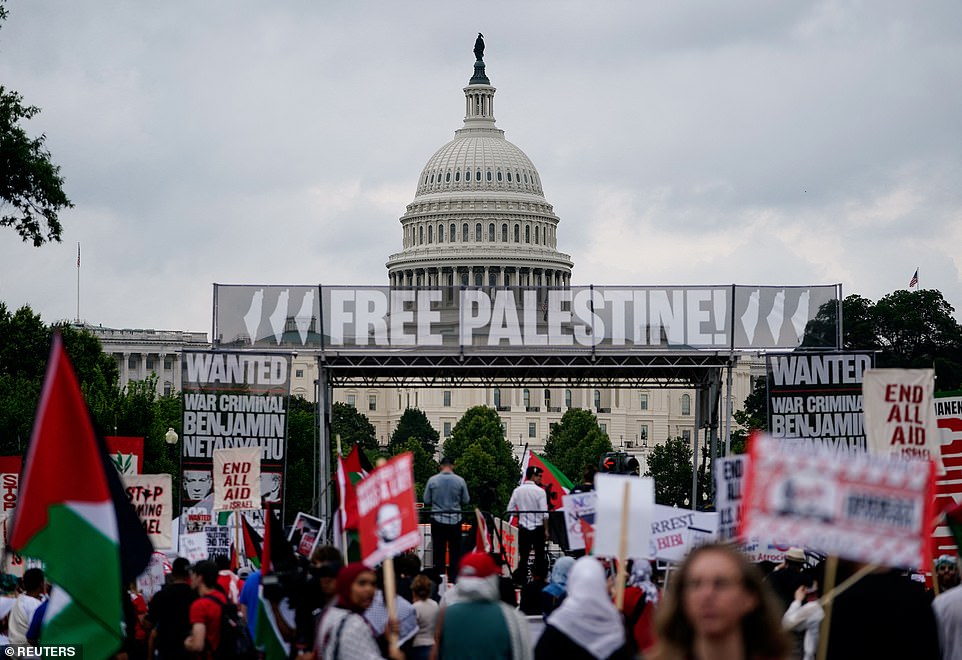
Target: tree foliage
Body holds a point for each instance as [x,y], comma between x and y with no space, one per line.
[354,428]
[670,464]
[424,464]
[414,424]
[300,480]
[575,443]
[909,329]
[482,455]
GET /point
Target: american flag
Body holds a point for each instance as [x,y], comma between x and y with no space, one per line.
[915,279]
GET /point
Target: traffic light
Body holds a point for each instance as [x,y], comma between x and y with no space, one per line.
[619,462]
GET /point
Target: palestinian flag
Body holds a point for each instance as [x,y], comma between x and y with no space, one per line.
[75,516]
[482,542]
[267,634]
[251,543]
[350,470]
[554,482]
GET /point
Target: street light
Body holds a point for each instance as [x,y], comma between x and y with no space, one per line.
[171,436]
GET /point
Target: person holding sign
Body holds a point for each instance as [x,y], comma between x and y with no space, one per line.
[717,607]
[531,503]
[586,625]
[343,634]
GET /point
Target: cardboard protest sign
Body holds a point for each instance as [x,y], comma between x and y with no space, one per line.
[219,540]
[388,522]
[866,508]
[900,415]
[729,482]
[126,452]
[9,486]
[150,495]
[237,479]
[948,486]
[153,578]
[816,398]
[641,500]
[193,546]
[675,532]
[305,534]
[579,509]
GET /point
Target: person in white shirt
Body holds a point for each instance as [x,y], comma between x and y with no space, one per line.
[803,617]
[27,603]
[531,504]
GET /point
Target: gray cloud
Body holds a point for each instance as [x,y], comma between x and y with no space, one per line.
[749,142]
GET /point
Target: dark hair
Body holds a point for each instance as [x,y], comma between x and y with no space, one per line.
[327,553]
[33,579]
[532,471]
[180,568]
[589,474]
[762,632]
[207,570]
[222,562]
[421,586]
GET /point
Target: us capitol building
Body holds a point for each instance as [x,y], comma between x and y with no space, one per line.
[479,217]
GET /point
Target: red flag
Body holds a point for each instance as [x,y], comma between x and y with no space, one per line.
[350,470]
[266,548]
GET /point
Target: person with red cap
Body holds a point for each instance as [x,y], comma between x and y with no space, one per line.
[477,625]
[343,633]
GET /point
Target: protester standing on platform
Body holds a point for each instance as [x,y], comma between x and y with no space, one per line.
[530,502]
[717,606]
[446,494]
[343,633]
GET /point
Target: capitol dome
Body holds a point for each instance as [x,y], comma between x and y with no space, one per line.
[479,216]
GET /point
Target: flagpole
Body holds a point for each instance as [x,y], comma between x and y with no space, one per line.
[78,282]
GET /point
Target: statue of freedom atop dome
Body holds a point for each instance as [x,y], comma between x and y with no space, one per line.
[479,47]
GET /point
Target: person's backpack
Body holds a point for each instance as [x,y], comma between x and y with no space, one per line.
[235,638]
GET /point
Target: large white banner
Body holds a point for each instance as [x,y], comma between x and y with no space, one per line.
[900,413]
[237,479]
[570,318]
[151,497]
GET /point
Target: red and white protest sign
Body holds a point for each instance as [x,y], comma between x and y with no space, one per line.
[150,495]
[237,479]
[900,413]
[126,452]
[948,486]
[866,508]
[675,532]
[388,521]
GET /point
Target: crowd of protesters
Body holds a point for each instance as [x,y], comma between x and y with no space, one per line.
[715,605]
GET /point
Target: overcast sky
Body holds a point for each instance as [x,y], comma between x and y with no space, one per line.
[750,142]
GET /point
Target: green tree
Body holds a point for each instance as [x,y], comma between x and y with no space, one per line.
[669,465]
[753,416]
[300,481]
[414,424]
[916,329]
[354,428]
[424,464]
[30,184]
[575,443]
[482,455]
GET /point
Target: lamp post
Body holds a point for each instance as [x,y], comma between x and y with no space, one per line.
[171,439]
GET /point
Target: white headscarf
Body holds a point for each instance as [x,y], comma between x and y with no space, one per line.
[587,615]
[640,576]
